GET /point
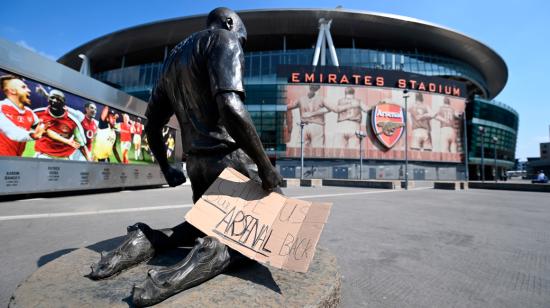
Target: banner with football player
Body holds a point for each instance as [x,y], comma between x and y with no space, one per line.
[332,115]
[40,121]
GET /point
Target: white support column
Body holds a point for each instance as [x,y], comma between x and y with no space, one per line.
[324,39]
[331,48]
[85,65]
[318,45]
[324,49]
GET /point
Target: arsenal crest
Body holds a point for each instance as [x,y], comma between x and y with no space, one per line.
[388,123]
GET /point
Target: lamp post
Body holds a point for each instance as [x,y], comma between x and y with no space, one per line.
[482,133]
[495,140]
[360,135]
[302,124]
[405,97]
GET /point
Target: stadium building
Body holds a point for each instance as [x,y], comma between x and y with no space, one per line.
[322,79]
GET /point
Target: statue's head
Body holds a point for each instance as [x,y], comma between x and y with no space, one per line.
[224,18]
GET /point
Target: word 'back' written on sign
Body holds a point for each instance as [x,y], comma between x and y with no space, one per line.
[267,227]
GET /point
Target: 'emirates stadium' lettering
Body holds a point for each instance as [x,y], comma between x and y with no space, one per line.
[377,81]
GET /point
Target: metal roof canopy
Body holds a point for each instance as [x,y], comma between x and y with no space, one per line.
[398,31]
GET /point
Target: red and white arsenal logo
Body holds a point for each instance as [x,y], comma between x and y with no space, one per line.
[388,123]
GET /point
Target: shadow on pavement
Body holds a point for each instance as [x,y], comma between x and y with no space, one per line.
[52,256]
[97,247]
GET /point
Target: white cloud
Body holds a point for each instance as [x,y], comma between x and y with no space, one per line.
[24,44]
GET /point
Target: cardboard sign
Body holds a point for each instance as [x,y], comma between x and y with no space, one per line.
[270,228]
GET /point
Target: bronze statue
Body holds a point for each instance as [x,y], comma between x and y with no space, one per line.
[202,84]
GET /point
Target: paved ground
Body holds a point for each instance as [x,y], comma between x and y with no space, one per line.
[419,248]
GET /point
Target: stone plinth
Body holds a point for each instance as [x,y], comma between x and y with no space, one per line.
[62,283]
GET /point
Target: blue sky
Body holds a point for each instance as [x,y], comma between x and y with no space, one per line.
[517,30]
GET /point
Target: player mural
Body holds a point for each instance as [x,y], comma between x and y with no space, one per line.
[40,121]
[333,113]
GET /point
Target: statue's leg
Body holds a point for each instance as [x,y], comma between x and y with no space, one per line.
[203,170]
[208,258]
[142,242]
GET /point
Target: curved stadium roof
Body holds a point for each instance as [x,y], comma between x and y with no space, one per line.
[300,26]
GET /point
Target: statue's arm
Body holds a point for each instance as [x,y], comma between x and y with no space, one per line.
[226,70]
[158,113]
[239,125]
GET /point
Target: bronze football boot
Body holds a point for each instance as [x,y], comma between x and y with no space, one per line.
[135,249]
[207,259]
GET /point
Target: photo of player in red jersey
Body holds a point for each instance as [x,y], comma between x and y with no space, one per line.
[125,130]
[90,124]
[18,123]
[86,119]
[64,134]
[138,131]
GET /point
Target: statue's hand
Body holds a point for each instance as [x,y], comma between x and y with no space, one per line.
[174,176]
[270,178]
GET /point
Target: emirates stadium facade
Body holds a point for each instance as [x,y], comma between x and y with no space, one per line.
[334,81]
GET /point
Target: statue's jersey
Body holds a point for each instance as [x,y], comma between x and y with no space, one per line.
[205,64]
